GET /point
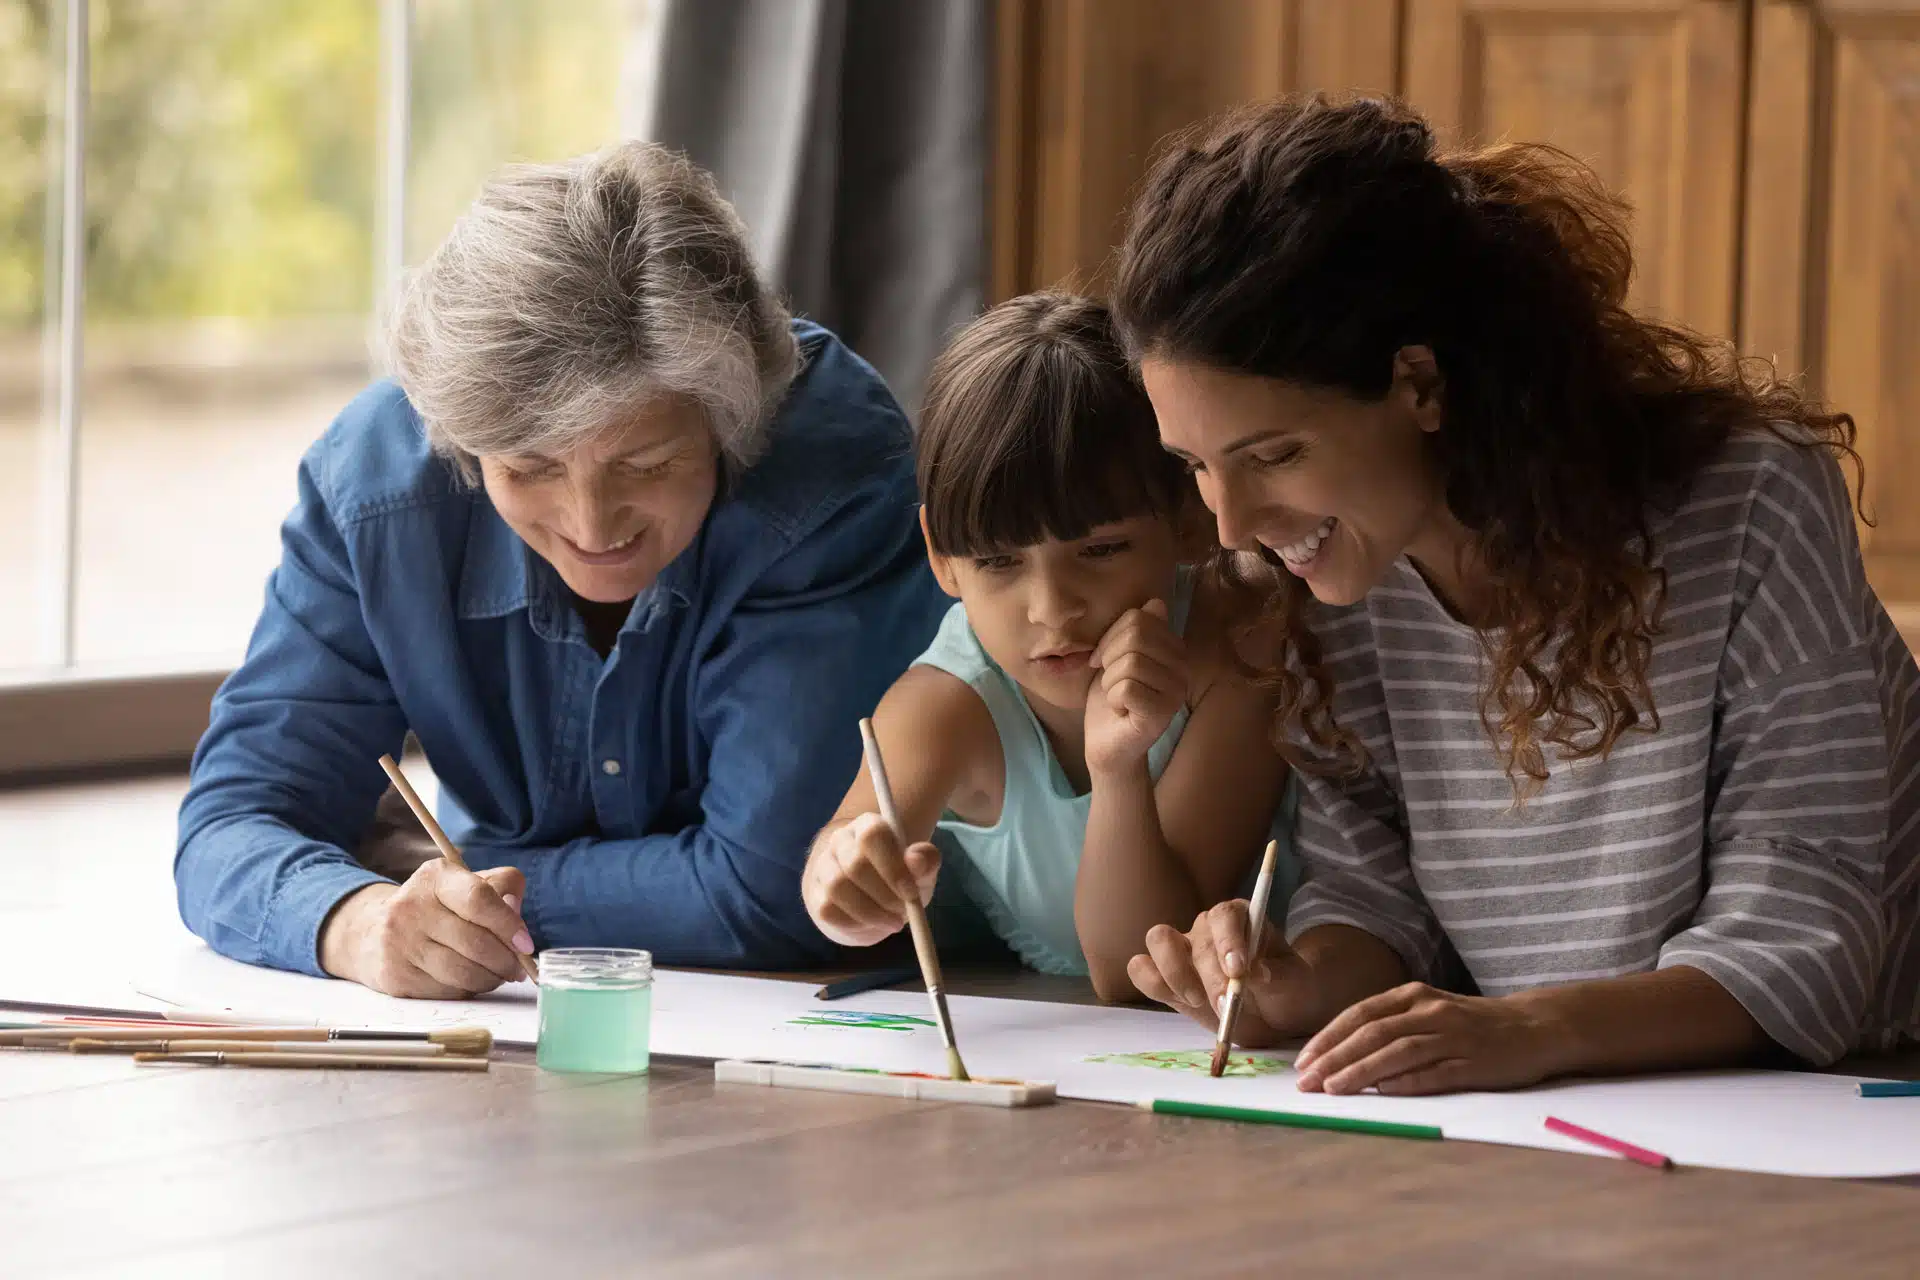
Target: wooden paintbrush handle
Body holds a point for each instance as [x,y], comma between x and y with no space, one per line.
[528,965]
[916,913]
[420,811]
[329,1061]
[334,1049]
[923,943]
[58,1038]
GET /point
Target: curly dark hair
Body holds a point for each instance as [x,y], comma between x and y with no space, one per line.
[1311,240]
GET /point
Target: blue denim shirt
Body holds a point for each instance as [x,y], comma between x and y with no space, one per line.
[662,798]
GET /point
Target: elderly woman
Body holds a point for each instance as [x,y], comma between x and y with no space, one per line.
[628,551]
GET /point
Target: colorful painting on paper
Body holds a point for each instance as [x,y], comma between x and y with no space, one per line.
[855,1018]
[1199,1061]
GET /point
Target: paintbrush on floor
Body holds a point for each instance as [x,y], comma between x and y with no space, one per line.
[916,914]
[325,1061]
[1256,932]
[457,1041]
[332,1049]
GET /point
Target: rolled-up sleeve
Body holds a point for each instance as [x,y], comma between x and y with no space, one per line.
[1357,872]
[1792,922]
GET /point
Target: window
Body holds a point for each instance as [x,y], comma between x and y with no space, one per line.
[254,176]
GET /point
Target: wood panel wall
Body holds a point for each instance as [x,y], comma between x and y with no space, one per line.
[1832,254]
[1648,92]
[1087,89]
[1770,148]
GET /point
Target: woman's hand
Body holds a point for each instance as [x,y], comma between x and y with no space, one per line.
[1418,1039]
[443,935]
[1189,972]
[857,879]
[1141,685]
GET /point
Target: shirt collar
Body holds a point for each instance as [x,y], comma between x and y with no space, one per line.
[496,578]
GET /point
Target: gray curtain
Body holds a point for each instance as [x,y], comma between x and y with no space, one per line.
[852,135]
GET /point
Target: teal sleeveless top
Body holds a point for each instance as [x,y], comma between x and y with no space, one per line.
[1020,871]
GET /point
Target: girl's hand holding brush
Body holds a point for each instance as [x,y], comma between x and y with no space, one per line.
[858,878]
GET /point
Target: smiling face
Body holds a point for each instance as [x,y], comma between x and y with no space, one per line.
[612,512]
[1336,487]
[1039,610]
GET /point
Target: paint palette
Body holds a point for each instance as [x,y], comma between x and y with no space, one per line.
[892,1084]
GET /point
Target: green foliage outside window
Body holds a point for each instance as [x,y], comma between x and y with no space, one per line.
[232,161]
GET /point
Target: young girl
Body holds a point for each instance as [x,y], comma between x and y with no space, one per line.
[1076,740]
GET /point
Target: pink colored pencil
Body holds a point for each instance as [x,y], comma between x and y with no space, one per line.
[1639,1155]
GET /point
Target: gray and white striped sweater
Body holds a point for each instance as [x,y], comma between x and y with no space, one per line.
[1768,834]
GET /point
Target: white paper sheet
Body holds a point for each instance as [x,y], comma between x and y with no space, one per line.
[1766,1122]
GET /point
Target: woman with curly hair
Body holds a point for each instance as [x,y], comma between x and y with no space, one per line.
[1608,749]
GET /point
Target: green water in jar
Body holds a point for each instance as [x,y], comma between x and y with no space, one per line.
[603,1029]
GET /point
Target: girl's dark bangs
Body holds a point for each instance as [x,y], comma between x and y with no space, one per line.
[1027,497]
[1034,428]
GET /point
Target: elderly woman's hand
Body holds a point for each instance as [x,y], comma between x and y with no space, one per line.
[445,934]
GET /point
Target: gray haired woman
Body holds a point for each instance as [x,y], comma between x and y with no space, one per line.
[627,549]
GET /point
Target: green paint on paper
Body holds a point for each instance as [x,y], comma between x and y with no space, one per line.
[855,1018]
[1199,1061]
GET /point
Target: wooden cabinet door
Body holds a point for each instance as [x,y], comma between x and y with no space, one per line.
[1831,272]
[1647,91]
[1088,89]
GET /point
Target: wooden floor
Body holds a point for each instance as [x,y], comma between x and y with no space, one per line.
[114,1170]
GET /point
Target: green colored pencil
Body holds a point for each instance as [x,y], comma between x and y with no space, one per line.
[1294,1119]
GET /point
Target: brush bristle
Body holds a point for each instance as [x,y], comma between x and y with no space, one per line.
[475,1042]
[1220,1051]
[956,1068]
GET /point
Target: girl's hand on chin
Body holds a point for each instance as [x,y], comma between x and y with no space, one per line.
[1140,683]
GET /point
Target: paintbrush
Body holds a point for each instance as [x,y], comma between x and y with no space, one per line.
[440,840]
[56,1024]
[916,914]
[336,1048]
[328,1061]
[462,1041]
[1256,930]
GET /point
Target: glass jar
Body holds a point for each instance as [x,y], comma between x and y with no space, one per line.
[596,1010]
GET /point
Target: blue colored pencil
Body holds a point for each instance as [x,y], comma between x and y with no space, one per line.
[860,982]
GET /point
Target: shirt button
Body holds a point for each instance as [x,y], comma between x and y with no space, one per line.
[610,767]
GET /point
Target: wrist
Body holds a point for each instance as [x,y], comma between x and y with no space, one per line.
[1345,965]
[1129,772]
[1560,1045]
[345,928]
